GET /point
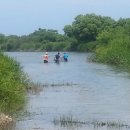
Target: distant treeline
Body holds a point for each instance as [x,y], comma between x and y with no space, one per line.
[108,38]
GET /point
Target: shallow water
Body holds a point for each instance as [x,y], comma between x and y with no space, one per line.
[95,92]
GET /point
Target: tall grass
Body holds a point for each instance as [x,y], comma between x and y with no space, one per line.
[117,52]
[12,84]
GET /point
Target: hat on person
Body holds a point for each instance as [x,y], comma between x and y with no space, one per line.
[46,53]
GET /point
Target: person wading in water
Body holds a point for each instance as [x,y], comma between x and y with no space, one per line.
[65,56]
[57,57]
[45,58]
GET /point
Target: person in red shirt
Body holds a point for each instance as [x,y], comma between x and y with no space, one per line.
[45,58]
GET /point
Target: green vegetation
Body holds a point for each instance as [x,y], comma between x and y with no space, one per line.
[114,47]
[83,30]
[41,39]
[12,85]
[70,121]
[108,38]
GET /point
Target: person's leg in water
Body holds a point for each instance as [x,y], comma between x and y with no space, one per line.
[45,61]
[65,59]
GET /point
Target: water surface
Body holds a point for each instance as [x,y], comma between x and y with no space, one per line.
[96,92]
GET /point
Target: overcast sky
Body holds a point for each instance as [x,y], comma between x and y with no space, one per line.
[22,17]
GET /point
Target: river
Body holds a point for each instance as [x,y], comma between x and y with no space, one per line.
[80,91]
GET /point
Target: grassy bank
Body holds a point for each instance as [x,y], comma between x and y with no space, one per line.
[116,50]
[12,85]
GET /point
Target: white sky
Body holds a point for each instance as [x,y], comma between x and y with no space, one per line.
[25,16]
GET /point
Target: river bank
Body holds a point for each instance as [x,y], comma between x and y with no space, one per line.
[13,84]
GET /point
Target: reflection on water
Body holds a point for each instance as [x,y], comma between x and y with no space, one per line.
[99,93]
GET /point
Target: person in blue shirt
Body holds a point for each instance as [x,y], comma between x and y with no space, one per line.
[65,56]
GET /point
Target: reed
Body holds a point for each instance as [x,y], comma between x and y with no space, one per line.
[70,121]
[34,88]
[58,84]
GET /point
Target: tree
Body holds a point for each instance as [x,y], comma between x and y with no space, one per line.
[2,38]
[68,30]
[87,27]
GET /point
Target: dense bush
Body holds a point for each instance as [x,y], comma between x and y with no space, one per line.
[87,47]
[117,50]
